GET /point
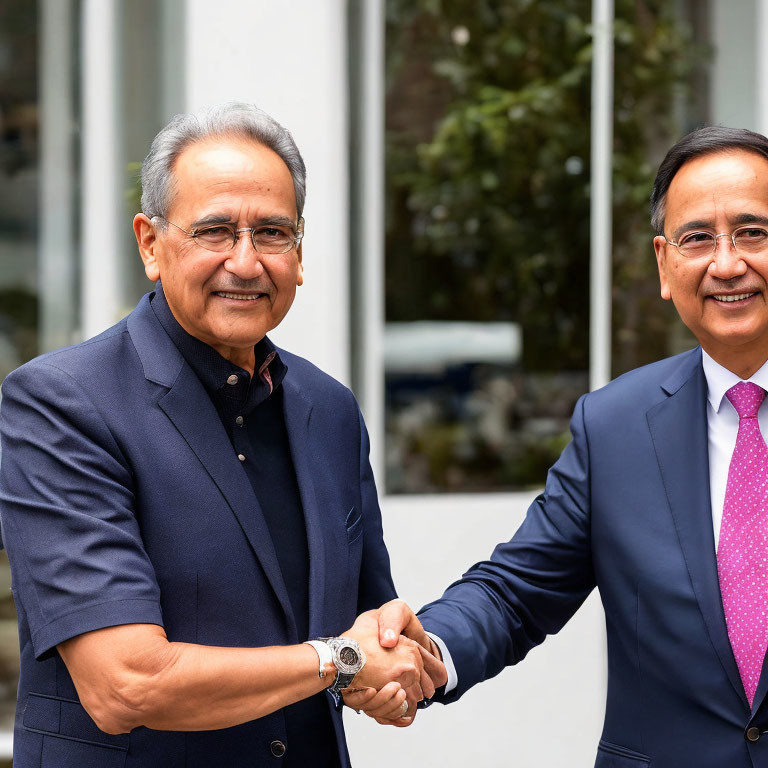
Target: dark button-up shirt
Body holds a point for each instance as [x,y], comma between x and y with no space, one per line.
[251,411]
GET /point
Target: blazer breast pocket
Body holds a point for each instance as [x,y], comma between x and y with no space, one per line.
[615,756]
[354,525]
[70,738]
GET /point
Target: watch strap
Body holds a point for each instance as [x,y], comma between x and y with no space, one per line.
[343,680]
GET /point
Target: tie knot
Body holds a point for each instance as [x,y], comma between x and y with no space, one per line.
[746,398]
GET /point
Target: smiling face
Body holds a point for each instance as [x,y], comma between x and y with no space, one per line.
[229,300]
[722,298]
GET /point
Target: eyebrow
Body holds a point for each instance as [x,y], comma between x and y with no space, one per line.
[277,221]
[689,225]
[210,220]
[750,218]
[742,218]
[213,219]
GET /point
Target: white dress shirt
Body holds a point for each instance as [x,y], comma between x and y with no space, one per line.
[723,426]
[722,429]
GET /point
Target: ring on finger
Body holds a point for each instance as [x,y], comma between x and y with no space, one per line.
[404,709]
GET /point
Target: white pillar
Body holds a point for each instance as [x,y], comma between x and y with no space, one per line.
[761,30]
[100,302]
[173,57]
[57,268]
[370,245]
[290,59]
[601,203]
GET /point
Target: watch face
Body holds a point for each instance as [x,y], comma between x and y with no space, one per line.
[349,657]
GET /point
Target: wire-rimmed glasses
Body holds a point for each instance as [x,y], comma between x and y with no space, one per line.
[267,238]
[748,240]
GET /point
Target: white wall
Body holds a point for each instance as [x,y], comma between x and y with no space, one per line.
[544,713]
[291,60]
[736,38]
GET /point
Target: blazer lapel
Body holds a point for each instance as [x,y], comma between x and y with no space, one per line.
[678,428]
[191,411]
[298,415]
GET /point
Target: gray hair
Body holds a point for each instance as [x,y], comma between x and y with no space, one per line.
[704,141]
[234,119]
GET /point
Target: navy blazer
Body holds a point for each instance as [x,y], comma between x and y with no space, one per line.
[626,508]
[123,501]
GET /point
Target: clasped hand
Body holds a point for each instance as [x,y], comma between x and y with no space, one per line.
[403,665]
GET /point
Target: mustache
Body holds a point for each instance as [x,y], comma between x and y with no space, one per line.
[743,284]
[236,284]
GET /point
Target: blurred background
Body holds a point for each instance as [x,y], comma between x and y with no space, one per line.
[453,274]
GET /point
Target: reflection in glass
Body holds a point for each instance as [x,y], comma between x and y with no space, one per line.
[38,178]
[487,226]
[19,188]
[661,93]
[18,184]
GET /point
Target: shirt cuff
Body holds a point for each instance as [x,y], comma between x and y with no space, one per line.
[453,678]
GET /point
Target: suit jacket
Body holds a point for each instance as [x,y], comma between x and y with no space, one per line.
[626,508]
[123,501]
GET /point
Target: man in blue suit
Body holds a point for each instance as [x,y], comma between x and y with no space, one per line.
[660,501]
[185,506]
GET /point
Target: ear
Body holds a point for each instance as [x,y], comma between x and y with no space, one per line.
[146,238]
[660,247]
[300,267]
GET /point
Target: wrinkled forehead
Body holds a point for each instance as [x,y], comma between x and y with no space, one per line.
[228,169]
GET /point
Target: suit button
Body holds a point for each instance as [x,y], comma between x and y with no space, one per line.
[277,748]
[753,734]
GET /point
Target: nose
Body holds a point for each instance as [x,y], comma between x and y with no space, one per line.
[726,262]
[243,260]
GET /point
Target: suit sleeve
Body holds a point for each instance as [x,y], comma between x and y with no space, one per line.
[375,586]
[66,503]
[531,585]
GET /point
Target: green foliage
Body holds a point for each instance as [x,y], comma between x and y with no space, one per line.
[488,156]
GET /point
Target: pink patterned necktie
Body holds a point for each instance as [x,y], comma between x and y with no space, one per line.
[743,547]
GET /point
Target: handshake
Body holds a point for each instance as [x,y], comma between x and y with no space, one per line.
[403,665]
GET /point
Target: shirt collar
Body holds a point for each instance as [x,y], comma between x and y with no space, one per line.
[213,370]
[720,379]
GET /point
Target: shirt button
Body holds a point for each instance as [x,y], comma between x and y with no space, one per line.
[277,748]
[239,421]
[753,734]
[233,379]
[241,457]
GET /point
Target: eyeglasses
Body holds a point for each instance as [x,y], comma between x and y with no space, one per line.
[266,238]
[746,240]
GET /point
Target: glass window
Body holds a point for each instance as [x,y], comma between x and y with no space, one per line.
[487,240]
[662,84]
[19,181]
[37,219]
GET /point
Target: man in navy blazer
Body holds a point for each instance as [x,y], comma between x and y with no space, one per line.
[638,504]
[184,505]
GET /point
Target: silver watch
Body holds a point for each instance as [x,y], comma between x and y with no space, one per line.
[348,658]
